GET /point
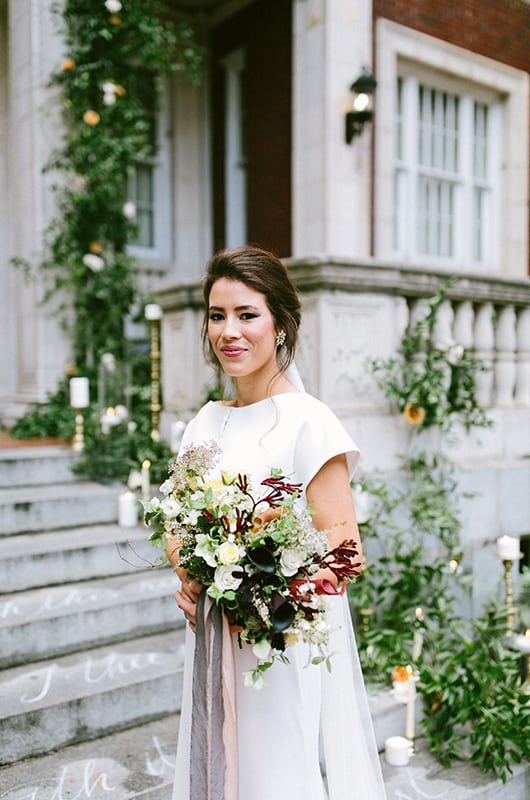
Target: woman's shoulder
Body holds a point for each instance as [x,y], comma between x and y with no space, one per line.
[302,403]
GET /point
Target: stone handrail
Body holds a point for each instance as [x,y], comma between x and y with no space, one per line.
[354,310]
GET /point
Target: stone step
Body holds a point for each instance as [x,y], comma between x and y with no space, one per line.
[139,763]
[62,505]
[35,466]
[135,763]
[87,695]
[29,561]
[46,623]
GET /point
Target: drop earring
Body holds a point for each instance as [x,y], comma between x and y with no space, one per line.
[280,338]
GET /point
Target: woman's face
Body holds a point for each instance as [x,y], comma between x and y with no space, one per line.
[241,330]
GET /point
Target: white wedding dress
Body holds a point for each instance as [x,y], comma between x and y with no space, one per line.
[304,722]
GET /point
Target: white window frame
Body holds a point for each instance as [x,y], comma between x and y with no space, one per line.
[407,53]
[161,163]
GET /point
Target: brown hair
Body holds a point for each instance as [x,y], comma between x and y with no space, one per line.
[264,272]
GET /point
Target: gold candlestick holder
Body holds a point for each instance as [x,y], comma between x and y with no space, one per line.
[155,379]
[78,442]
[508,588]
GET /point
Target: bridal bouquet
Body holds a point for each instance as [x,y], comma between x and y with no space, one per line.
[255,551]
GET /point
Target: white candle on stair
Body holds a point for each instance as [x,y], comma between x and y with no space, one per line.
[127,510]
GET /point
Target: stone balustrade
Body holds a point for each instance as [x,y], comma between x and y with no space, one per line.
[353,311]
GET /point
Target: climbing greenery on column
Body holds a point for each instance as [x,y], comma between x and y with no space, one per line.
[109,89]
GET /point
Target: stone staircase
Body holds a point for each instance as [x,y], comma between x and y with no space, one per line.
[91,648]
[90,636]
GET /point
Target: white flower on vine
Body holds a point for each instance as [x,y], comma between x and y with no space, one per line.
[113,6]
[129,210]
[95,263]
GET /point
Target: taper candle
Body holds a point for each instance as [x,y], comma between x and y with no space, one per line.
[146,479]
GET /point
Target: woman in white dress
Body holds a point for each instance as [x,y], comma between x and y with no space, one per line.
[307,734]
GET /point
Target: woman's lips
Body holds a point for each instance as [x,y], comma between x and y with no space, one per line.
[232,352]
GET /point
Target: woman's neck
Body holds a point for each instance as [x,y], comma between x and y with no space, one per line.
[249,392]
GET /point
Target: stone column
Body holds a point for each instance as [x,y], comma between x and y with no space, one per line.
[37,350]
[331,180]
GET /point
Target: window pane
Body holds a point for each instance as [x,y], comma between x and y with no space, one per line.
[480,143]
[399,121]
[141,191]
[435,229]
[438,129]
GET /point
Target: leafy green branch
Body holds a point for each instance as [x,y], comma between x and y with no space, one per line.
[432,383]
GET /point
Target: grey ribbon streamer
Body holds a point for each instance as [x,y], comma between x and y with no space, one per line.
[207,754]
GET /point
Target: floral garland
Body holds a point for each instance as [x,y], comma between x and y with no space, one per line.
[109,90]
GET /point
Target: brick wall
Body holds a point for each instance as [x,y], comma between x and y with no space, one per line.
[264,29]
[499,29]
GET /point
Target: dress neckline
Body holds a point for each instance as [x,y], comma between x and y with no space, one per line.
[221,404]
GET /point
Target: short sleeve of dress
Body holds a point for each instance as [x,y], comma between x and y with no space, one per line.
[321,436]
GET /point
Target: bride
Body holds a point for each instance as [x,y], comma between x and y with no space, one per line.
[307,734]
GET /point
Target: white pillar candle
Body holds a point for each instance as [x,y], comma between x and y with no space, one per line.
[523,642]
[410,722]
[508,548]
[79,392]
[397,751]
[146,479]
[153,311]
[418,636]
[127,510]
[109,419]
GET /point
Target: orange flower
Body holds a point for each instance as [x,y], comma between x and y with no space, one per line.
[266,516]
[115,20]
[91,117]
[400,674]
[95,247]
[68,63]
[119,90]
[414,415]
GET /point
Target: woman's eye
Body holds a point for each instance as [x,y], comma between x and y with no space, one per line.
[248,315]
[215,316]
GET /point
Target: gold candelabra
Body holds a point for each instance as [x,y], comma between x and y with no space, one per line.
[508,586]
[153,313]
[79,399]
[78,442]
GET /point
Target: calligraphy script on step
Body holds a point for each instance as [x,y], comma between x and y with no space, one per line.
[91,672]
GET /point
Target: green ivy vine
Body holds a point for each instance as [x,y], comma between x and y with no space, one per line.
[109,90]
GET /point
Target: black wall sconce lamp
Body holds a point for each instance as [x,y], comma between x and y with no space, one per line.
[363,90]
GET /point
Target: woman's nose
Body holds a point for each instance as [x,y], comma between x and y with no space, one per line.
[231,327]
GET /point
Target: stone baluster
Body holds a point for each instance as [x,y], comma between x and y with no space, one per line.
[505,343]
[418,311]
[463,324]
[522,382]
[484,339]
[443,326]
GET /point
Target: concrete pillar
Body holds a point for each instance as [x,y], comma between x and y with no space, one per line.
[331,179]
[37,349]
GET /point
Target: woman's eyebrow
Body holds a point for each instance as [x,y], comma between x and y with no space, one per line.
[237,308]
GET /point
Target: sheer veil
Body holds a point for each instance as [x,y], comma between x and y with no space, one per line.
[294,377]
